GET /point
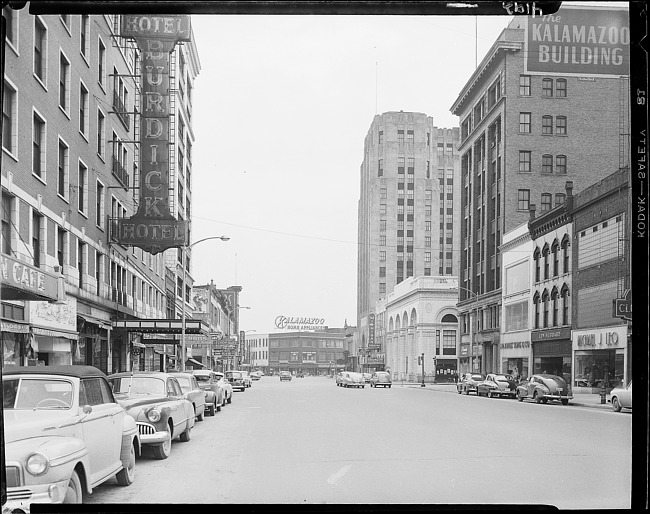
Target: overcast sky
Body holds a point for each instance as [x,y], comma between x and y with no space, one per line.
[281,109]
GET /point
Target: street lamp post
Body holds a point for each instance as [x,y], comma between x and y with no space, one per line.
[185,249]
[471,330]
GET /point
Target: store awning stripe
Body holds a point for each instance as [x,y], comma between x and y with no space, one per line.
[54,333]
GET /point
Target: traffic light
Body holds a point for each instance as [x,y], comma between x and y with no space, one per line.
[419,360]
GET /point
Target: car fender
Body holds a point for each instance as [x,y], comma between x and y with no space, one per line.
[130,437]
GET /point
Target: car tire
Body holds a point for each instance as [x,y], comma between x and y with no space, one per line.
[211,409]
[74,492]
[186,435]
[200,416]
[163,450]
[537,397]
[388,387]
[460,391]
[230,399]
[489,394]
[217,407]
[565,401]
[616,405]
[520,397]
[126,475]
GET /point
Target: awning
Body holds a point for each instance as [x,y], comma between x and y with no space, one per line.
[105,324]
[197,363]
[162,326]
[55,333]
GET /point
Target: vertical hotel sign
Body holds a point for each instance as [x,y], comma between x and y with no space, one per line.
[582,41]
[152,227]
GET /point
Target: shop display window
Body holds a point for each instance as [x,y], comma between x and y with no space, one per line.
[595,367]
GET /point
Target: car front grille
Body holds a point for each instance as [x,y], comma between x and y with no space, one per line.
[146,429]
[18,494]
[13,476]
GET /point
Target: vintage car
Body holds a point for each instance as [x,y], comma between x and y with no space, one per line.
[352,379]
[621,397]
[366,377]
[64,434]
[544,387]
[248,381]
[497,384]
[380,378]
[215,394]
[468,382]
[227,386]
[236,379]
[192,392]
[256,375]
[285,375]
[155,400]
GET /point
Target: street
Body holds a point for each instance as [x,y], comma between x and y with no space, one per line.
[307,441]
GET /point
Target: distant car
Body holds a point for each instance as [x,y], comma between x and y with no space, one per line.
[497,384]
[468,382]
[352,379]
[213,391]
[544,387]
[366,377]
[256,375]
[64,434]
[621,397]
[248,381]
[225,385]
[285,375]
[155,400]
[236,379]
[339,379]
[380,378]
[192,392]
[300,374]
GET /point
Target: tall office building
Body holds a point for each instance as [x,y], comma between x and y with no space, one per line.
[408,207]
[548,104]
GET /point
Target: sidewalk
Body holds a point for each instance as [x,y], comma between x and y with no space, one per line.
[579,400]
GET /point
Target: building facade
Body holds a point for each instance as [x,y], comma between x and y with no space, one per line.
[408,208]
[530,119]
[258,351]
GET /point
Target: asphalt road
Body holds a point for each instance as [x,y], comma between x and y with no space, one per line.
[310,442]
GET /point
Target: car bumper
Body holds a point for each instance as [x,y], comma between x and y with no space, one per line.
[23,497]
[149,434]
[556,397]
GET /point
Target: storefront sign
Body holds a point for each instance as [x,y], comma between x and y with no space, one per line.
[623,306]
[22,281]
[291,323]
[51,316]
[371,328]
[514,344]
[550,334]
[600,339]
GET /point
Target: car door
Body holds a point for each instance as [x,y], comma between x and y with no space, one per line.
[625,397]
[102,427]
[185,407]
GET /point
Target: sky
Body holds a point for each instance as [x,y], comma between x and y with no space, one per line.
[281,107]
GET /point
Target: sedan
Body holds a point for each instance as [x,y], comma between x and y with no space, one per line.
[248,381]
[469,382]
[192,392]
[496,385]
[215,395]
[352,379]
[236,380]
[621,397]
[64,434]
[155,400]
[285,375]
[381,378]
[256,375]
[225,385]
[544,387]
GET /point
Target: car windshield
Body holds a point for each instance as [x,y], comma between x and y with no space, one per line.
[234,374]
[186,384]
[219,376]
[501,378]
[28,393]
[202,378]
[138,386]
[477,377]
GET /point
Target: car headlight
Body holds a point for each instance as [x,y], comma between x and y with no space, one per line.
[153,415]
[37,464]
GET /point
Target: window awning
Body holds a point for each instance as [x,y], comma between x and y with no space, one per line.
[162,326]
[195,363]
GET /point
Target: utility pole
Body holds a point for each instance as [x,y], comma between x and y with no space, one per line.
[422,358]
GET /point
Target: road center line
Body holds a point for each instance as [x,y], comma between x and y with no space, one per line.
[338,475]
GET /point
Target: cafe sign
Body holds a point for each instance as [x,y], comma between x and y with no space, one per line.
[22,281]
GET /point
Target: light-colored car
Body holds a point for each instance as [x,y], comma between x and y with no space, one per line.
[621,397]
[256,375]
[227,386]
[544,387]
[367,377]
[64,434]
[468,382]
[497,384]
[380,378]
[352,379]
[248,381]
[285,375]
[215,395]
[192,392]
[155,400]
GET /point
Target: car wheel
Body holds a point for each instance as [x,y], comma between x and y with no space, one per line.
[216,407]
[565,401]
[616,404]
[460,391]
[211,409]
[520,397]
[230,399]
[73,493]
[537,397]
[388,387]
[164,449]
[200,416]
[126,475]
[489,394]
[185,436]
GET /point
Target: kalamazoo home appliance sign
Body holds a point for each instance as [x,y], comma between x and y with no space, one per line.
[577,41]
[152,227]
[291,323]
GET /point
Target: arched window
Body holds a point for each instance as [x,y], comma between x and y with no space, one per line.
[545,252]
[405,320]
[397,323]
[565,253]
[554,298]
[536,304]
[449,318]
[564,293]
[390,325]
[545,302]
[414,318]
[537,267]
[555,248]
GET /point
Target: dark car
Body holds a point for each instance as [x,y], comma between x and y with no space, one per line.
[215,396]
[544,387]
[496,384]
[236,379]
[469,382]
[380,378]
[285,375]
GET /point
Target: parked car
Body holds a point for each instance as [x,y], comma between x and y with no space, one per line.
[248,381]
[236,380]
[256,375]
[64,434]
[621,397]
[380,378]
[155,400]
[352,379]
[215,395]
[192,392]
[544,387]
[285,375]
[300,374]
[468,382]
[226,386]
[497,384]
[366,377]
[339,379]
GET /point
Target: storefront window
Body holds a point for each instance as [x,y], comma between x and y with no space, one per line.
[518,367]
[11,349]
[594,367]
[554,365]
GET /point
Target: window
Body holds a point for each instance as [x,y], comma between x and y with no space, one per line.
[9,103]
[99,205]
[400,166]
[382,271]
[524,85]
[536,301]
[427,226]
[83,109]
[37,222]
[524,161]
[380,168]
[523,199]
[64,83]
[560,198]
[382,240]
[101,64]
[82,198]
[565,305]
[400,136]
[85,32]
[547,202]
[411,166]
[449,342]
[427,241]
[547,87]
[427,256]
[11,16]
[494,93]
[381,137]
[38,146]
[555,249]
[382,193]
[547,124]
[428,194]
[560,164]
[524,122]
[560,88]
[410,136]
[6,223]
[382,209]
[40,49]
[60,245]
[427,210]
[101,134]
[382,255]
[560,125]
[382,225]
[565,254]
[516,316]
[545,253]
[81,259]
[63,170]
[547,164]
[545,302]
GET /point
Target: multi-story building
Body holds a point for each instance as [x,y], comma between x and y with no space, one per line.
[547,104]
[408,207]
[71,84]
[258,351]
